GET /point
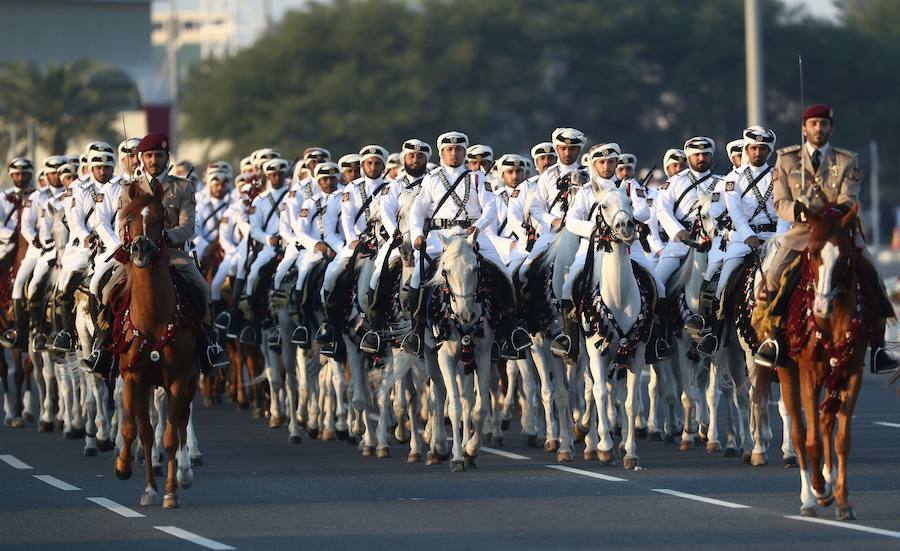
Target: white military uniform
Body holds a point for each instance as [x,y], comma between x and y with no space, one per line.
[265,222]
[642,200]
[80,212]
[470,203]
[319,220]
[106,218]
[300,192]
[401,191]
[509,228]
[355,221]
[719,214]
[28,202]
[234,226]
[210,212]
[54,196]
[550,202]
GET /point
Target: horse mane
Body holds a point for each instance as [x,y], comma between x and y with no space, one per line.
[683,275]
[454,253]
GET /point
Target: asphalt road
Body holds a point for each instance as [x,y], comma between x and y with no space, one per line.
[257,491]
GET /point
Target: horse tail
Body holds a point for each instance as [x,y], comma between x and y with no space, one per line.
[683,275]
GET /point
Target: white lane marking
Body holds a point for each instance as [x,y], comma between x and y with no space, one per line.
[849,526]
[592,474]
[193,538]
[115,507]
[56,483]
[14,462]
[886,424]
[709,500]
[501,453]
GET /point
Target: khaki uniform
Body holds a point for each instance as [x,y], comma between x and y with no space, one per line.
[179,203]
[837,179]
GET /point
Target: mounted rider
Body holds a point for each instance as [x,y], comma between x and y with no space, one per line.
[19,216]
[178,202]
[454,199]
[807,177]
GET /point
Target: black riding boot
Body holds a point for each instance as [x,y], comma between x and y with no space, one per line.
[658,347]
[331,329]
[233,319]
[17,336]
[64,341]
[41,325]
[880,360]
[413,341]
[100,361]
[565,345]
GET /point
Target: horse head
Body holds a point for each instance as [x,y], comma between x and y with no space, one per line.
[458,274]
[707,224]
[144,230]
[831,253]
[58,229]
[615,211]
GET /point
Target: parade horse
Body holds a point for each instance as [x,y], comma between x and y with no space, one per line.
[615,305]
[832,312]
[211,385]
[541,310]
[154,338]
[14,405]
[459,315]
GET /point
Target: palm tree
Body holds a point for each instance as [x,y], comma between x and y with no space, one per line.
[64,101]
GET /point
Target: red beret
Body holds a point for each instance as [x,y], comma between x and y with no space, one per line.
[818,111]
[155,141]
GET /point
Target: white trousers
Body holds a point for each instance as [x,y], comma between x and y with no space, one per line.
[102,266]
[26,268]
[263,257]
[75,259]
[289,259]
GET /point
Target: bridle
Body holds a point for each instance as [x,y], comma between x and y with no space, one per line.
[467,329]
[141,243]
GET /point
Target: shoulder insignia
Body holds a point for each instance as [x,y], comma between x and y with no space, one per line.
[640,193]
[515,193]
[224,220]
[715,197]
[26,203]
[649,202]
[774,173]
[665,185]
[304,212]
[842,151]
[67,193]
[345,196]
[385,190]
[251,210]
[282,206]
[729,186]
[789,149]
[292,194]
[98,198]
[487,185]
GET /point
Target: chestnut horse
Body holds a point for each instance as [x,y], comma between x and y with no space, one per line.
[157,348]
[829,324]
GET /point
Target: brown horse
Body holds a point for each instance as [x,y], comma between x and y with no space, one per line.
[830,322]
[155,343]
[211,385]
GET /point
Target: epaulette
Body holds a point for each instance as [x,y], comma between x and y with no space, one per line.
[789,149]
[842,151]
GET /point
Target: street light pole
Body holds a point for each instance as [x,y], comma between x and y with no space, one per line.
[756,110]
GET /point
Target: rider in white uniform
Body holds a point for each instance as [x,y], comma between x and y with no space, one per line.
[16,218]
[508,233]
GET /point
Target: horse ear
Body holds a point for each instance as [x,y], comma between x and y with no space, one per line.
[850,217]
[473,237]
[445,241]
[811,215]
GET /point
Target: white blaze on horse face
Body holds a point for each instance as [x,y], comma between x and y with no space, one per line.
[617,204]
[145,213]
[824,284]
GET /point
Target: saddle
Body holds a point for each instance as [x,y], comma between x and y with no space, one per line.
[535,295]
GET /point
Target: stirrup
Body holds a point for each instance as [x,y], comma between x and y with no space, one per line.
[708,345]
[412,344]
[223,320]
[886,365]
[765,360]
[695,326]
[520,339]
[274,341]
[327,347]
[248,336]
[63,342]
[11,339]
[561,346]
[215,356]
[300,336]
[40,342]
[370,343]
[508,351]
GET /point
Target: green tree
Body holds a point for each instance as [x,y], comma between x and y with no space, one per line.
[64,101]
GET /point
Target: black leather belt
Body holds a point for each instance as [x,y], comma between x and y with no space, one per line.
[760,228]
[448,223]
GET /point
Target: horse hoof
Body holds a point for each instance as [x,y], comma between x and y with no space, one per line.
[368,451]
[457,466]
[170,501]
[383,453]
[654,436]
[90,452]
[60,425]
[729,452]
[105,445]
[45,426]
[327,435]
[413,458]
[258,413]
[685,445]
[590,455]
[759,459]
[713,447]
[606,458]
[630,463]
[669,439]
[343,434]
[579,432]
[532,441]
[497,441]
[79,433]
[844,513]
[17,423]
[157,470]
[401,435]
[808,512]
[444,456]
[640,433]
[699,442]
[469,462]
[745,457]
[207,402]
[564,456]
[275,422]
[790,462]
[825,501]
[197,461]
[504,424]
[430,459]
[313,433]
[29,418]
[123,474]
[551,446]
[149,498]
[185,478]
[294,439]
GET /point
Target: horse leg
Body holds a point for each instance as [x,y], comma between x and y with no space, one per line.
[843,441]
[447,363]
[564,373]
[291,397]
[495,420]
[712,403]
[438,449]
[599,368]
[383,401]
[810,391]
[741,398]
[790,392]
[632,411]
[654,385]
[272,370]
[101,419]
[145,430]
[482,383]
[530,392]
[158,417]
[542,364]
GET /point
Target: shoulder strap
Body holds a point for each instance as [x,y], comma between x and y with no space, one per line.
[368,200]
[754,181]
[447,193]
[211,215]
[274,208]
